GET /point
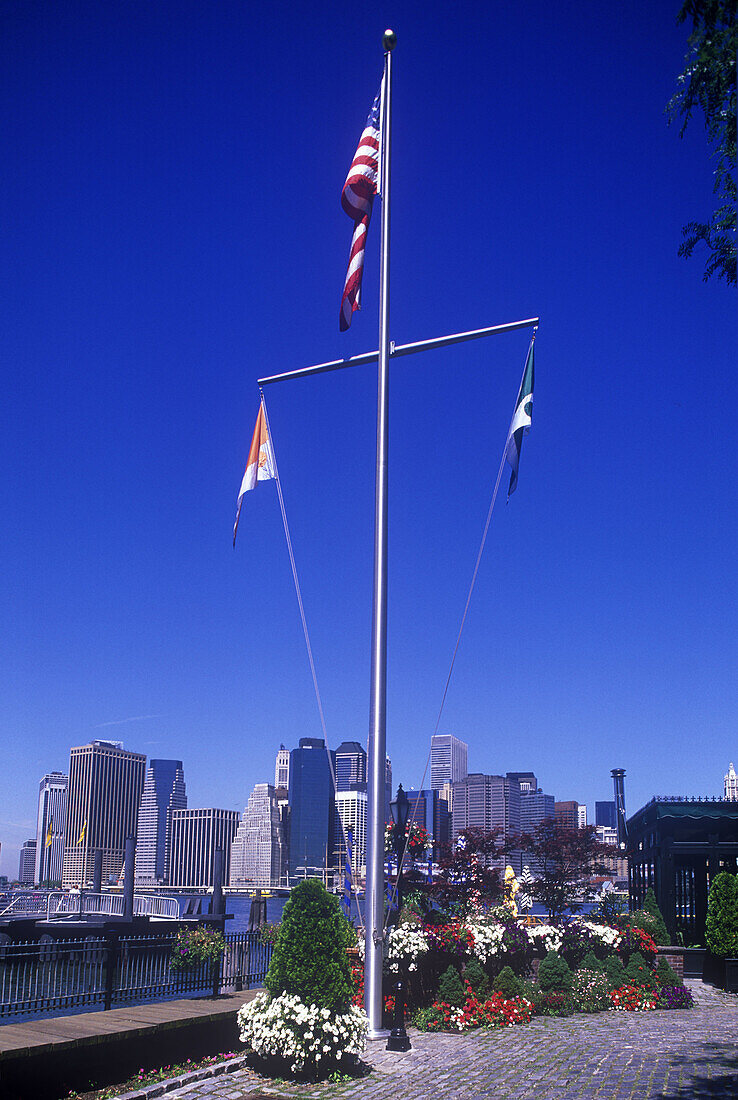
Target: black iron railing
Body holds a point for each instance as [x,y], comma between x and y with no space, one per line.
[61,975]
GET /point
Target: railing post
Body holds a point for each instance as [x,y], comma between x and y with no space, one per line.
[111,960]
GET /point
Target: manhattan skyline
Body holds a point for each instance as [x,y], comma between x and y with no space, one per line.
[175,232]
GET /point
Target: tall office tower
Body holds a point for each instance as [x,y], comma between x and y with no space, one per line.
[351,809]
[27,863]
[163,792]
[488,802]
[312,809]
[258,848]
[447,792]
[195,836]
[429,809]
[731,785]
[50,825]
[448,760]
[282,768]
[567,813]
[582,815]
[526,781]
[605,815]
[536,807]
[350,767]
[104,794]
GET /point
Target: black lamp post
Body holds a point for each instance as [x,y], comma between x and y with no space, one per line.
[400,809]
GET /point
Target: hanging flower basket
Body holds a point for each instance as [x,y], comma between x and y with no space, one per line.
[195,946]
[419,842]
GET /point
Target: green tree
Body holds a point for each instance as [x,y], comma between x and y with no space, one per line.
[709,83]
[468,869]
[566,860]
[659,932]
[310,958]
[721,925]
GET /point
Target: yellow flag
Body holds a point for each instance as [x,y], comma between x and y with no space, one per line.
[83,832]
[48,833]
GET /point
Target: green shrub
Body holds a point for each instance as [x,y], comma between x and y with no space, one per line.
[659,931]
[665,975]
[554,973]
[310,959]
[591,990]
[451,990]
[476,977]
[591,962]
[507,983]
[639,973]
[614,971]
[721,926]
[552,1002]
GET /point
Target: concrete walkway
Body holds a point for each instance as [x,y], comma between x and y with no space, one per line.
[678,1055]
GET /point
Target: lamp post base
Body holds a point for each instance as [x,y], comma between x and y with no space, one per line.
[399,1042]
[373,1036]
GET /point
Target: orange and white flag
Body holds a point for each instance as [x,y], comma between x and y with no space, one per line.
[259,465]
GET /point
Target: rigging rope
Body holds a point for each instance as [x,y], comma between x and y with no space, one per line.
[308,645]
[458,640]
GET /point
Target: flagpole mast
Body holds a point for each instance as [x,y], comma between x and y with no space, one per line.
[377,746]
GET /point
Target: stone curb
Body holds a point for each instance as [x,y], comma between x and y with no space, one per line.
[161,1088]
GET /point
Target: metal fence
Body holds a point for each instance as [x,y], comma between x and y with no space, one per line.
[52,975]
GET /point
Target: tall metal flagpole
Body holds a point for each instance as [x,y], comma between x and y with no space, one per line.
[377,746]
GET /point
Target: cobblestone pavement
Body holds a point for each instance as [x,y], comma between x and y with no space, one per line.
[678,1055]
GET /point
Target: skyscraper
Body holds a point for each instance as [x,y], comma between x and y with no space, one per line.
[731,784]
[488,802]
[448,760]
[312,809]
[195,837]
[350,767]
[282,769]
[27,862]
[104,794]
[163,792]
[351,807]
[428,809]
[567,813]
[605,815]
[50,825]
[258,849]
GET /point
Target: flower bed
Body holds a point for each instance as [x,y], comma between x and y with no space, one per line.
[302,1034]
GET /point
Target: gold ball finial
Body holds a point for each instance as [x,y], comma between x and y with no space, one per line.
[389,39]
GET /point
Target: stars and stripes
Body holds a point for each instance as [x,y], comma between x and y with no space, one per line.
[260,464]
[357,197]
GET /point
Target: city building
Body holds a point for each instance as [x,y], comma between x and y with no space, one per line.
[429,809]
[535,807]
[258,851]
[351,809]
[617,864]
[526,781]
[196,835]
[582,816]
[27,863]
[567,813]
[312,810]
[448,760]
[605,815]
[350,767]
[163,792]
[282,769]
[50,825]
[488,802]
[104,794]
[730,784]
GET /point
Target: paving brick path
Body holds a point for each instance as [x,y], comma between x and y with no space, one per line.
[679,1055]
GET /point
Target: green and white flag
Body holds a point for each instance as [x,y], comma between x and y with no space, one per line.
[521,420]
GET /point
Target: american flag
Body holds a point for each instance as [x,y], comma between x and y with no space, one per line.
[356,199]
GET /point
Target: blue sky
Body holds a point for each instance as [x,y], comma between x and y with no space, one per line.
[173,231]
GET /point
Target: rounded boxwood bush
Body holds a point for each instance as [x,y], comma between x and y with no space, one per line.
[310,959]
[614,971]
[721,926]
[554,973]
[591,962]
[639,973]
[508,983]
[665,975]
[451,990]
[475,976]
